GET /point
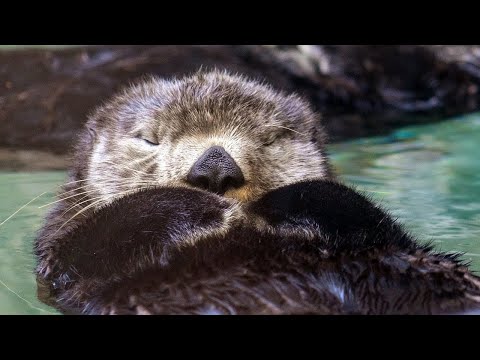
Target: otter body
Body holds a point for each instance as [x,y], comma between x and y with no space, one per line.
[213,195]
[321,249]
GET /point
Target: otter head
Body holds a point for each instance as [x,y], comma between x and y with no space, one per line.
[223,133]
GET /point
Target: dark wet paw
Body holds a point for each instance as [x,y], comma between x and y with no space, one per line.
[333,208]
[138,229]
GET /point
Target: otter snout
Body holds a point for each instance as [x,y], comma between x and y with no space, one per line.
[216,171]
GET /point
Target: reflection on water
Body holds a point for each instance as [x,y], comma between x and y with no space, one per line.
[428,176]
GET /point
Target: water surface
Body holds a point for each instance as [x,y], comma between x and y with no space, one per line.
[17,282]
[427,176]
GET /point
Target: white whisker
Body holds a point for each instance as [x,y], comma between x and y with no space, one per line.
[4,221]
[77,203]
[96,202]
[65,198]
[286,128]
[78,213]
[126,167]
[23,299]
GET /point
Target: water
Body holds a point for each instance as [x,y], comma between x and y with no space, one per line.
[16,237]
[427,176]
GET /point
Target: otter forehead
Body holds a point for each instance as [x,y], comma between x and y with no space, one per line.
[212,102]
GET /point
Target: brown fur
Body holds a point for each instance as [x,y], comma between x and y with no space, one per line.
[326,250]
[274,138]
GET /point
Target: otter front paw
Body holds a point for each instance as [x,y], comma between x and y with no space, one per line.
[138,230]
[328,208]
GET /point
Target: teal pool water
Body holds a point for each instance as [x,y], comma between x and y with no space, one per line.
[427,176]
[17,282]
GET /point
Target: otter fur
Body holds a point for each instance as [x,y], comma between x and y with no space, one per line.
[323,249]
[136,231]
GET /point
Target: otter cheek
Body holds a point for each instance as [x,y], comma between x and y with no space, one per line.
[174,163]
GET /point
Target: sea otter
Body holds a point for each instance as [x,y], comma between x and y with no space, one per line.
[213,194]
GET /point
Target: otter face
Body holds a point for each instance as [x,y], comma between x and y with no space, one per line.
[223,133]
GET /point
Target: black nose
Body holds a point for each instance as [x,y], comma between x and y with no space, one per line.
[216,171]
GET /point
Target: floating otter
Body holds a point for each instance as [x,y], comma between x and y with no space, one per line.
[213,195]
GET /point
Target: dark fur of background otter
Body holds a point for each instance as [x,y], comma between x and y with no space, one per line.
[131,233]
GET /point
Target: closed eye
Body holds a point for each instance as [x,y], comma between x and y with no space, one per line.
[269,142]
[147,140]
[150,142]
[274,137]
[284,130]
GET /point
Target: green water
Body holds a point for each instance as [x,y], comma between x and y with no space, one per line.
[17,283]
[427,176]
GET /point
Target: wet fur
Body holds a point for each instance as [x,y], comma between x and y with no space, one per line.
[326,250]
[275,139]
[292,240]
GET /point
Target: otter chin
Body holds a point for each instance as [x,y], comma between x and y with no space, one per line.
[213,194]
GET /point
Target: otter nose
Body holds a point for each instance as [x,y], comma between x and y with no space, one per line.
[215,171]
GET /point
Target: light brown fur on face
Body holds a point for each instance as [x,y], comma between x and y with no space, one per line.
[152,133]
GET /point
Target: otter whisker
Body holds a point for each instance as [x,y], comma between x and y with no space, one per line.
[80,188]
[122,167]
[80,202]
[65,198]
[76,181]
[134,184]
[75,189]
[73,182]
[126,167]
[286,128]
[127,192]
[75,204]
[25,300]
[80,212]
[68,183]
[97,200]
[28,203]
[46,192]
[148,157]
[32,200]
[98,183]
